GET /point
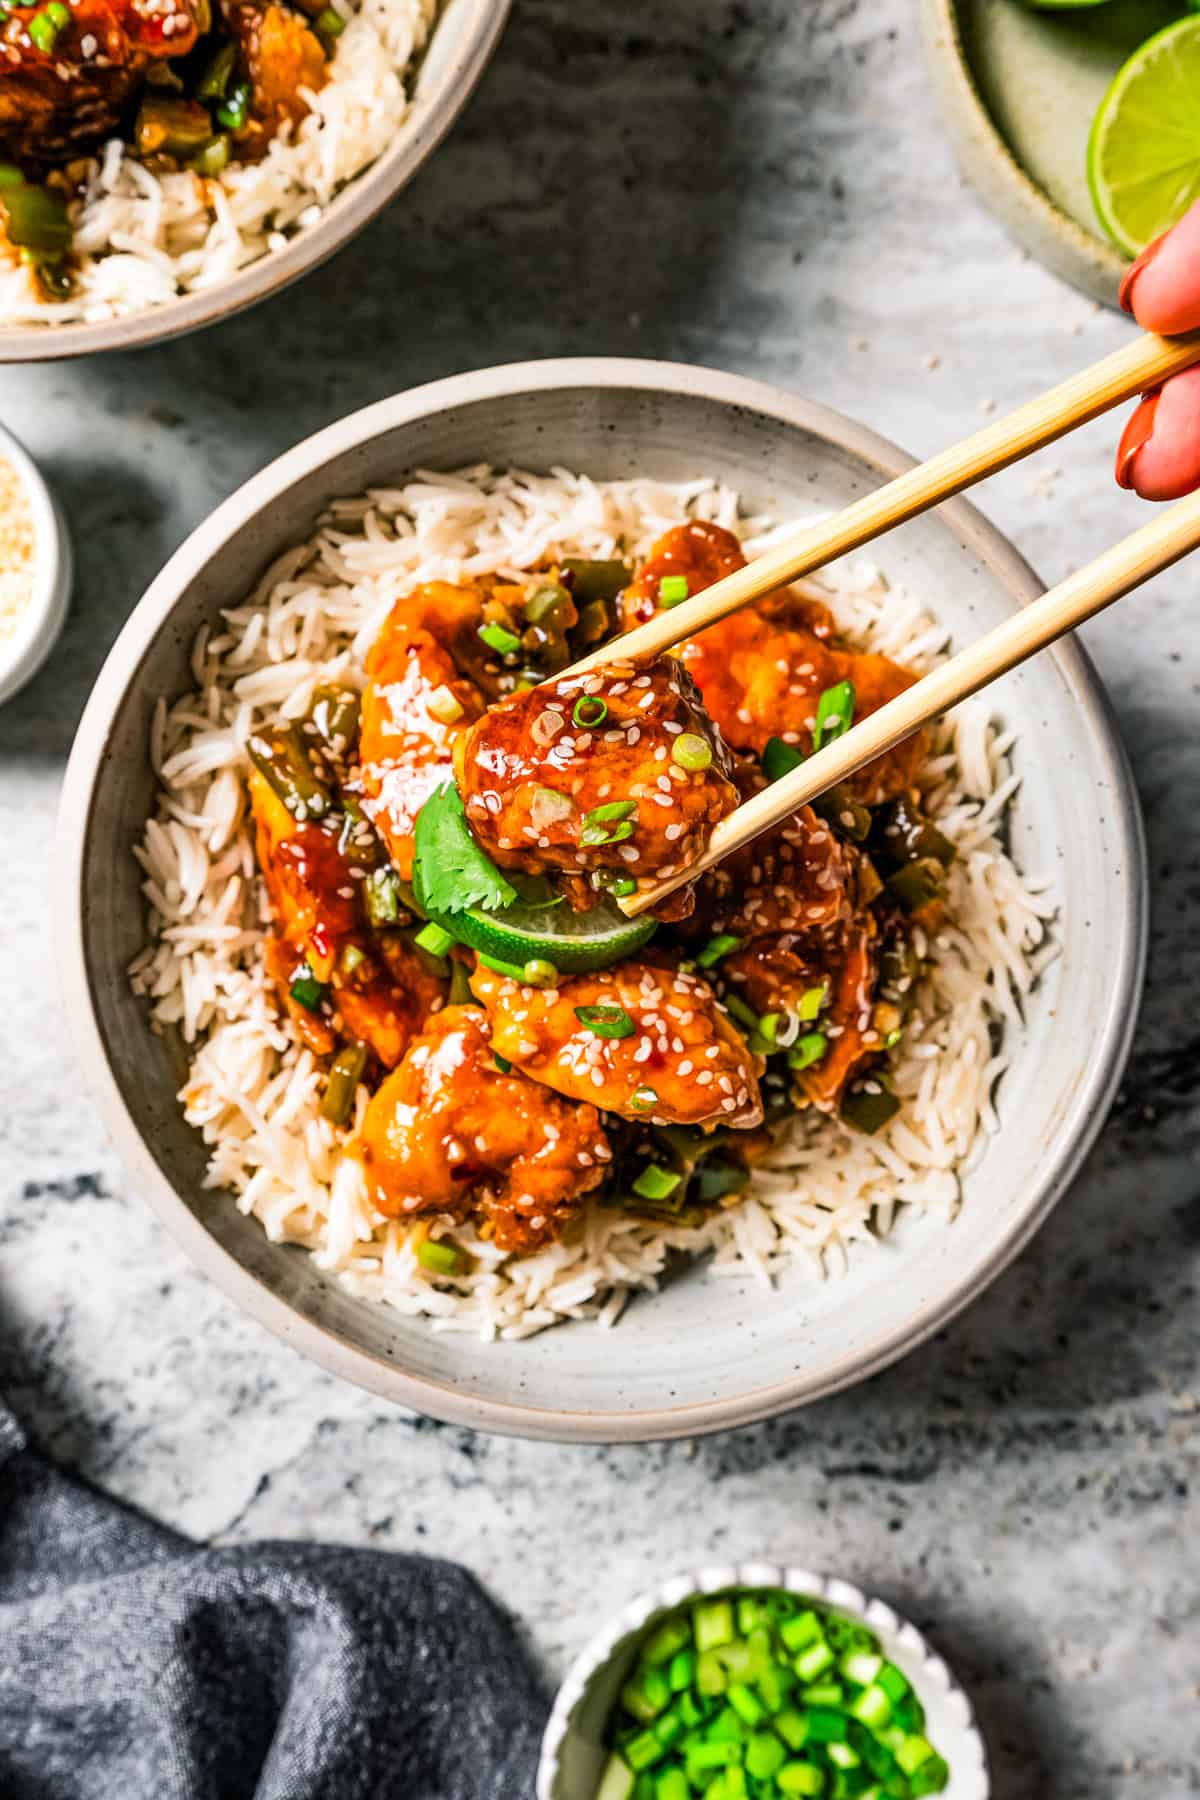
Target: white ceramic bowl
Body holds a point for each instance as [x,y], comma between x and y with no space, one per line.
[573,1755]
[704,1353]
[22,654]
[459,50]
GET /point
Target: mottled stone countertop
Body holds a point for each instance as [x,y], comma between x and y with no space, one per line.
[759,185]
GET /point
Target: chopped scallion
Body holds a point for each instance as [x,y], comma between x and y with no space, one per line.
[431,937]
[691,751]
[717,948]
[329,23]
[497,638]
[808,1050]
[589,712]
[811,1002]
[672,589]
[606,1021]
[745,1015]
[644,1099]
[444,705]
[439,1258]
[835,713]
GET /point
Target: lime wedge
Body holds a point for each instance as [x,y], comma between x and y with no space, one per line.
[573,941]
[1144,149]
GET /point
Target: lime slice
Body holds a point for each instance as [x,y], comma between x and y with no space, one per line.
[573,941]
[1144,149]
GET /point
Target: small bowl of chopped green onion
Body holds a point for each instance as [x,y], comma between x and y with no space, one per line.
[759,1683]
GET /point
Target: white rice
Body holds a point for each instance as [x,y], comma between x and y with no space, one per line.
[254,1093]
[142,238]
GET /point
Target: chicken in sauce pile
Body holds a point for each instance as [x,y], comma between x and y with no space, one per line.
[481,1080]
[188,84]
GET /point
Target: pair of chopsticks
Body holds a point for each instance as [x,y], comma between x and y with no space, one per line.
[1142,364]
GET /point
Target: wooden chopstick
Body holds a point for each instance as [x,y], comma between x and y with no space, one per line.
[1126,565]
[1143,363]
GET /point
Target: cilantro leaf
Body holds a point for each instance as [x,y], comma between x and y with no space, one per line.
[450,871]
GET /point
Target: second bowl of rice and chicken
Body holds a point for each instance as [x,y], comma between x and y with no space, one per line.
[164,164]
[376,1034]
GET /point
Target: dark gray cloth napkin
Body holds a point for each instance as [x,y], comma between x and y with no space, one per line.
[135,1665]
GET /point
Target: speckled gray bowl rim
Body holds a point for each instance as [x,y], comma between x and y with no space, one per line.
[434,111]
[716,1578]
[1082,1120]
[1039,226]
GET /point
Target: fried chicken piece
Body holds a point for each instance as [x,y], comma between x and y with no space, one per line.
[59,101]
[282,59]
[383,992]
[409,716]
[680,1061]
[591,772]
[449,1133]
[762,670]
[775,974]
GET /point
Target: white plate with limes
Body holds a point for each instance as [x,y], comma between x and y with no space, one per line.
[1058,113]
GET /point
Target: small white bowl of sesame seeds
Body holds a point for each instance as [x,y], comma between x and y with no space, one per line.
[35,568]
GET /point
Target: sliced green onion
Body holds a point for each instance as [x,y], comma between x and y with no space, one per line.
[764,1755]
[617,885]
[745,1015]
[712,1624]
[800,1778]
[502,1063]
[691,751]
[381,896]
[780,759]
[431,937]
[811,1002]
[672,589]
[444,705]
[306,990]
[835,713]
[589,712]
[352,958]
[539,973]
[345,1073]
[808,1050]
[813,1661]
[329,23]
[655,1182]
[616,1783]
[234,110]
[503,642]
[608,824]
[606,1021]
[716,948]
[439,1258]
[46,27]
[644,1099]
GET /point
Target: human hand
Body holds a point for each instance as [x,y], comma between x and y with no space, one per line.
[1159,453]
